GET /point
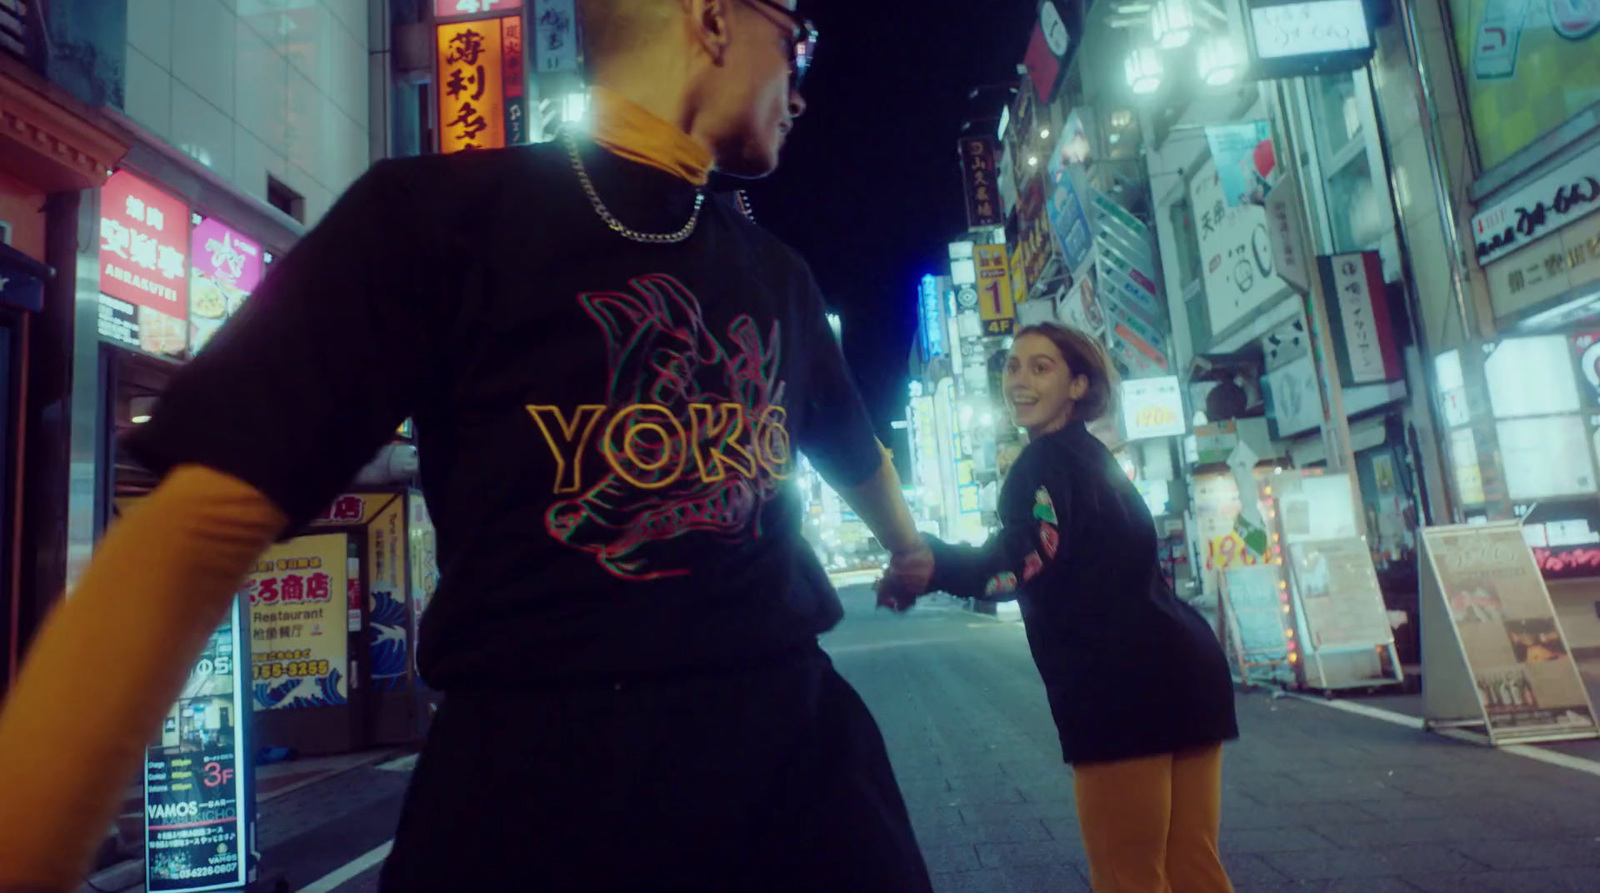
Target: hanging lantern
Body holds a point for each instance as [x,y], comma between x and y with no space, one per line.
[1219,61]
[1172,23]
[1144,70]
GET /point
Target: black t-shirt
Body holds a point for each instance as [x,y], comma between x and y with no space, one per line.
[606,428]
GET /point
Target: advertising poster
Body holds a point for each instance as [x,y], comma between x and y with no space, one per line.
[1245,160]
[1515,652]
[389,614]
[1339,592]
[298,597]
[1256,615]
[471,86]
[226,268]
[197,809]
[1236,252]
[1069,219]
[144,266]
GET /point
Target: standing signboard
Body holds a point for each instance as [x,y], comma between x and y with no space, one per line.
[1255,604]
[1493,650]
[199,798]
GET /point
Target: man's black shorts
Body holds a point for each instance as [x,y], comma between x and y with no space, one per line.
[766,780]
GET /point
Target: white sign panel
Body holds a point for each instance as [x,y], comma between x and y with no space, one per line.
[1235,251]
[1153,407]
[1286,230]
[555,35]
[1310,29]
[1562,196]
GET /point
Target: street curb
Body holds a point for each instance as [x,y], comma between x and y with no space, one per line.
[129,875]
[1525,751]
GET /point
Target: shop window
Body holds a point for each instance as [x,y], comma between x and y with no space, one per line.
[1337,121]
[283,198]
[1527,68]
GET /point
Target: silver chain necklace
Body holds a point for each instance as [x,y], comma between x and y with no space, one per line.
[615,224]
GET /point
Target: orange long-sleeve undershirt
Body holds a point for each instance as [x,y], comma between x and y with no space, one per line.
[109,662]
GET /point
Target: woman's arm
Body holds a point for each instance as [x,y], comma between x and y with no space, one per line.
[1028,540]
[109,663]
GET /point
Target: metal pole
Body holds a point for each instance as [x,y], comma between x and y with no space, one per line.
[1335,424]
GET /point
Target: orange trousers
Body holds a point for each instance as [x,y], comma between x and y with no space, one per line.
[1150,825]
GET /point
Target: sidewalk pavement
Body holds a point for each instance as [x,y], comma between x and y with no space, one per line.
[1315,799]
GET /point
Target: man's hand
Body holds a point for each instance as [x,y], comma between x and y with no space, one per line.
[907,577]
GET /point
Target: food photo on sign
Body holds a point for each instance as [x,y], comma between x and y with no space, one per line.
[226,268]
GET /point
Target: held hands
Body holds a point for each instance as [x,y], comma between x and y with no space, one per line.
[908,576]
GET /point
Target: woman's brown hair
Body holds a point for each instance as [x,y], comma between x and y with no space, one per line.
[1085,357]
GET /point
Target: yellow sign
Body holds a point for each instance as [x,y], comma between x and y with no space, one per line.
[298,593]
[472,112]
[996,306]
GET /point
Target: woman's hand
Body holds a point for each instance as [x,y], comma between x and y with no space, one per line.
[908,576]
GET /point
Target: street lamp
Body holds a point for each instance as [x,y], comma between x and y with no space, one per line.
[1172,23]
[1144,70]
[1219,61]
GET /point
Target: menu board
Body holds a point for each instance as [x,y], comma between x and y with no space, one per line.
[299,595]
[1515,653]
[1343,606]
[226,269]
[1256,615]
[196,803]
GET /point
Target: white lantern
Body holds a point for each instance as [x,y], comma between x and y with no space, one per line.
[1219,61]
[1144,70]
[1172,23]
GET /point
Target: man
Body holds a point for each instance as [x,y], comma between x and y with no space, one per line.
[609,371]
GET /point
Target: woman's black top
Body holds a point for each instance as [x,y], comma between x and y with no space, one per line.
[1130,670]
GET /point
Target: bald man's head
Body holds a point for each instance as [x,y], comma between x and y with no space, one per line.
[720,69]
[613,28]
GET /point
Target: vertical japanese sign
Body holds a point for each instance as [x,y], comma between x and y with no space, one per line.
[297,633]
[226,268]
[471,93]
[1358,310]
[388,605]
[995,304]
[555,34]
[932,319]
[144,266]
[455,9]
[424,560]
[197,804]
[514,81]
[978,175]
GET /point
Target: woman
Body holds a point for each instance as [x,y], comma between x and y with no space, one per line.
[1139,687]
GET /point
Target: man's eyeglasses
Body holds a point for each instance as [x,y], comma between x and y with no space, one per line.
[803,40]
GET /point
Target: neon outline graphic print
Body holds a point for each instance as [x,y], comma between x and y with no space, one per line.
[663,413]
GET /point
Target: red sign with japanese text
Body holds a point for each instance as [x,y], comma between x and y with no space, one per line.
[983,190]
[472,112]
[144,246]
[455,9]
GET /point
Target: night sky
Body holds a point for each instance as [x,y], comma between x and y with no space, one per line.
[870,191]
